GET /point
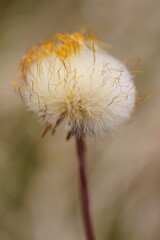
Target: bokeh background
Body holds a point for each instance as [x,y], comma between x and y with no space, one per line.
[39,195]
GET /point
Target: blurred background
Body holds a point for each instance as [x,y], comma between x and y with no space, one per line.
[39,195]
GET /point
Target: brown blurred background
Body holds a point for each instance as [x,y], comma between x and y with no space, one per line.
[39,197]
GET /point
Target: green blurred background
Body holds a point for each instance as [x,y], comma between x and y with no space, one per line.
[39,196]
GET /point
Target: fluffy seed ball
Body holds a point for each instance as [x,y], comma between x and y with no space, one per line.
[72,79]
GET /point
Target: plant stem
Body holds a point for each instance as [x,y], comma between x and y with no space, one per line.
[81,150]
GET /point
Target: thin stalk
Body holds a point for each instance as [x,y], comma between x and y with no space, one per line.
[81,150]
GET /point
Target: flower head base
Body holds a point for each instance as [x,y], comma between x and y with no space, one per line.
[73,79]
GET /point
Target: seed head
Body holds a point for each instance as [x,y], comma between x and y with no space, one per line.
[73,79]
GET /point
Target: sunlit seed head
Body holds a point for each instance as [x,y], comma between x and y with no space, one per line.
[72,79]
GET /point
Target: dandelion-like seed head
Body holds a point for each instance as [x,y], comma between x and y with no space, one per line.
[72,79]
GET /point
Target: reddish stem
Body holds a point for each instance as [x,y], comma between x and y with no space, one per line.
[80,145]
